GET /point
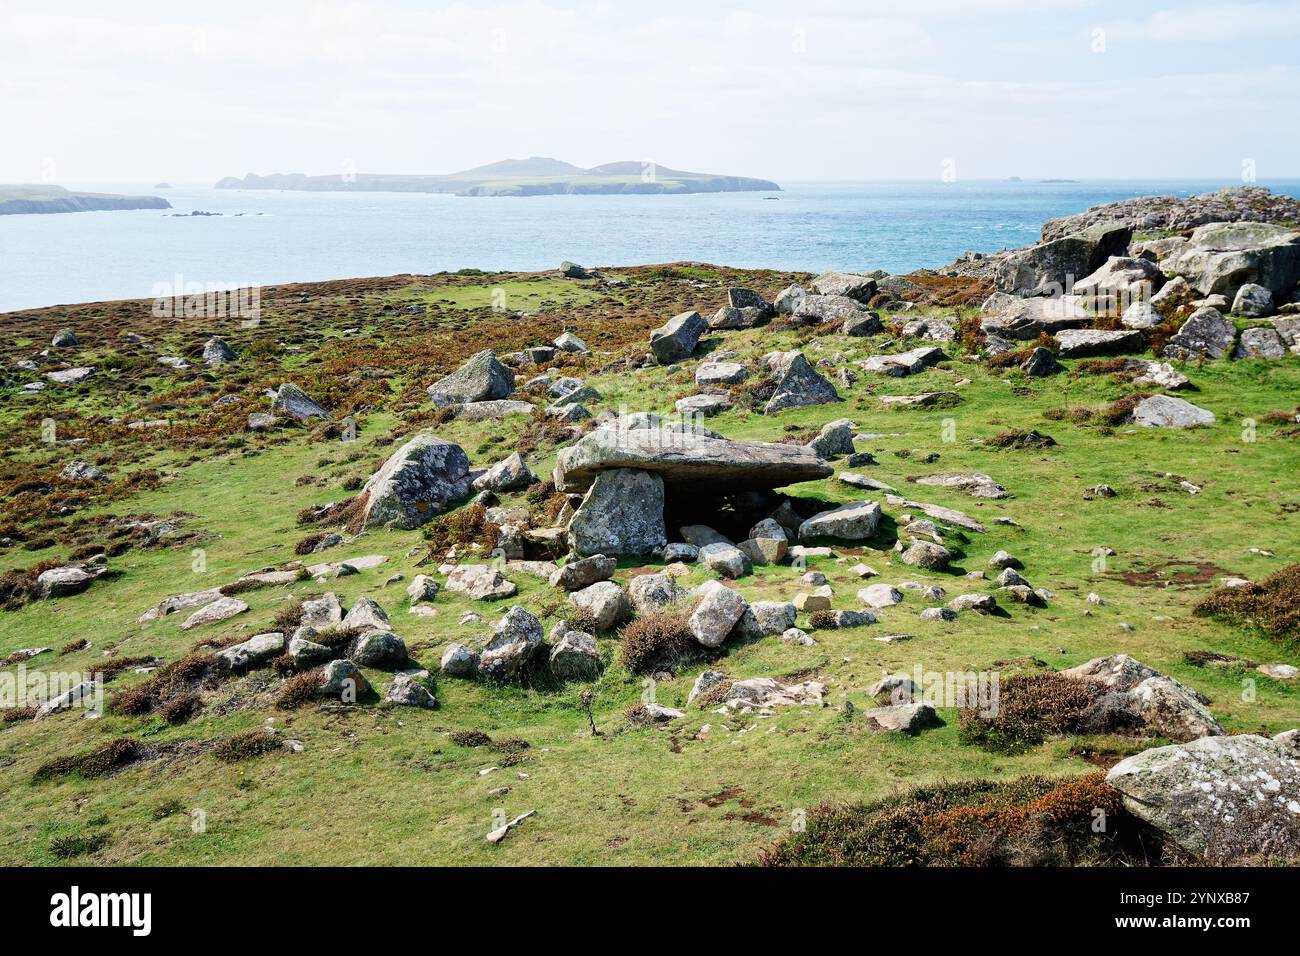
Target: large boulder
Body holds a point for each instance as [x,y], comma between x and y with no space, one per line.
[905,363]
[584,572]
[516,638]
[653,592]
[480,582]
[1253,301]
[1118,282]
[62,582]
[798,384]
[365,615]
[766,619]
[1165,411]
[1260,343]
[676,339]
[621,514]
[217,352]
[482,378]
[847,284]
[1052,266]
[605,601]
[1222,257]
[574,654]
[690,460]
[382,649]
[834,439]
[1081,343]
[509,474]
[1222,799]
[1205,334]
[829,308]
[219,610]
[418,481]
[257,650]
[726,559]
[855,521]
[407,691]
[717,610]
[1010,317]
[293,401]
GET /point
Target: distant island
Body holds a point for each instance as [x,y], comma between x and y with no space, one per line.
[21,199]
[537,176]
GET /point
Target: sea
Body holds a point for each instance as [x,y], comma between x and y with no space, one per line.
[270,237]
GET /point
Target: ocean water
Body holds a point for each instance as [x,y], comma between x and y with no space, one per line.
[266,237]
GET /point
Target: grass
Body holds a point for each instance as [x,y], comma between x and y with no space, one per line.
[378,785]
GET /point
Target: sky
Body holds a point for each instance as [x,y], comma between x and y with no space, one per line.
[797,91]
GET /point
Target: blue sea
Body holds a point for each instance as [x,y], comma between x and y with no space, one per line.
[266,238]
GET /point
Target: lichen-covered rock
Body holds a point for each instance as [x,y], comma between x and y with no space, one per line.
[726,559]
[217,352]
[576,575]
[62,582]
[848,284]
[382,649]
[1260,343]
[509,474]
[676,339]
[221,609]
[835,438]
[480,582]
[293,401]
[574,655]
[407,691]
[482,378]
[366,615]
[1223,799]
[1081,343]
[855,521]
[621,514]
[1205,334]
[342,678]
[880,595]
[257,650]
[766,619]
[422,588]
[1056,264]
[653,592]
[798,384]
[927,554]
[717,610]
[516,638]
[416,483]
[1165,411]
[458,661]
[900,718]
[605,601]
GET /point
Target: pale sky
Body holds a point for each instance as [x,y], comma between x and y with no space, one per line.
[142,92]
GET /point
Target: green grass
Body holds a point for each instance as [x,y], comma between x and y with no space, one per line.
[385,786]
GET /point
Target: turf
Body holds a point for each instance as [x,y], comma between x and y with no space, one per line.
[378,785]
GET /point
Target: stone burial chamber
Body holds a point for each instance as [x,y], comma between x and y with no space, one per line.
[643,478]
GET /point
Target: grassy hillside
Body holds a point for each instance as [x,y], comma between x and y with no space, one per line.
[44,198]
[377,784]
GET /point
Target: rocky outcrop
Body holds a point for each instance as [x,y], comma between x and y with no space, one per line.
[1011,317]
[846,284]
[1174,213]
[1223,257]
[1052,266]
[1222,799]
[418,481]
